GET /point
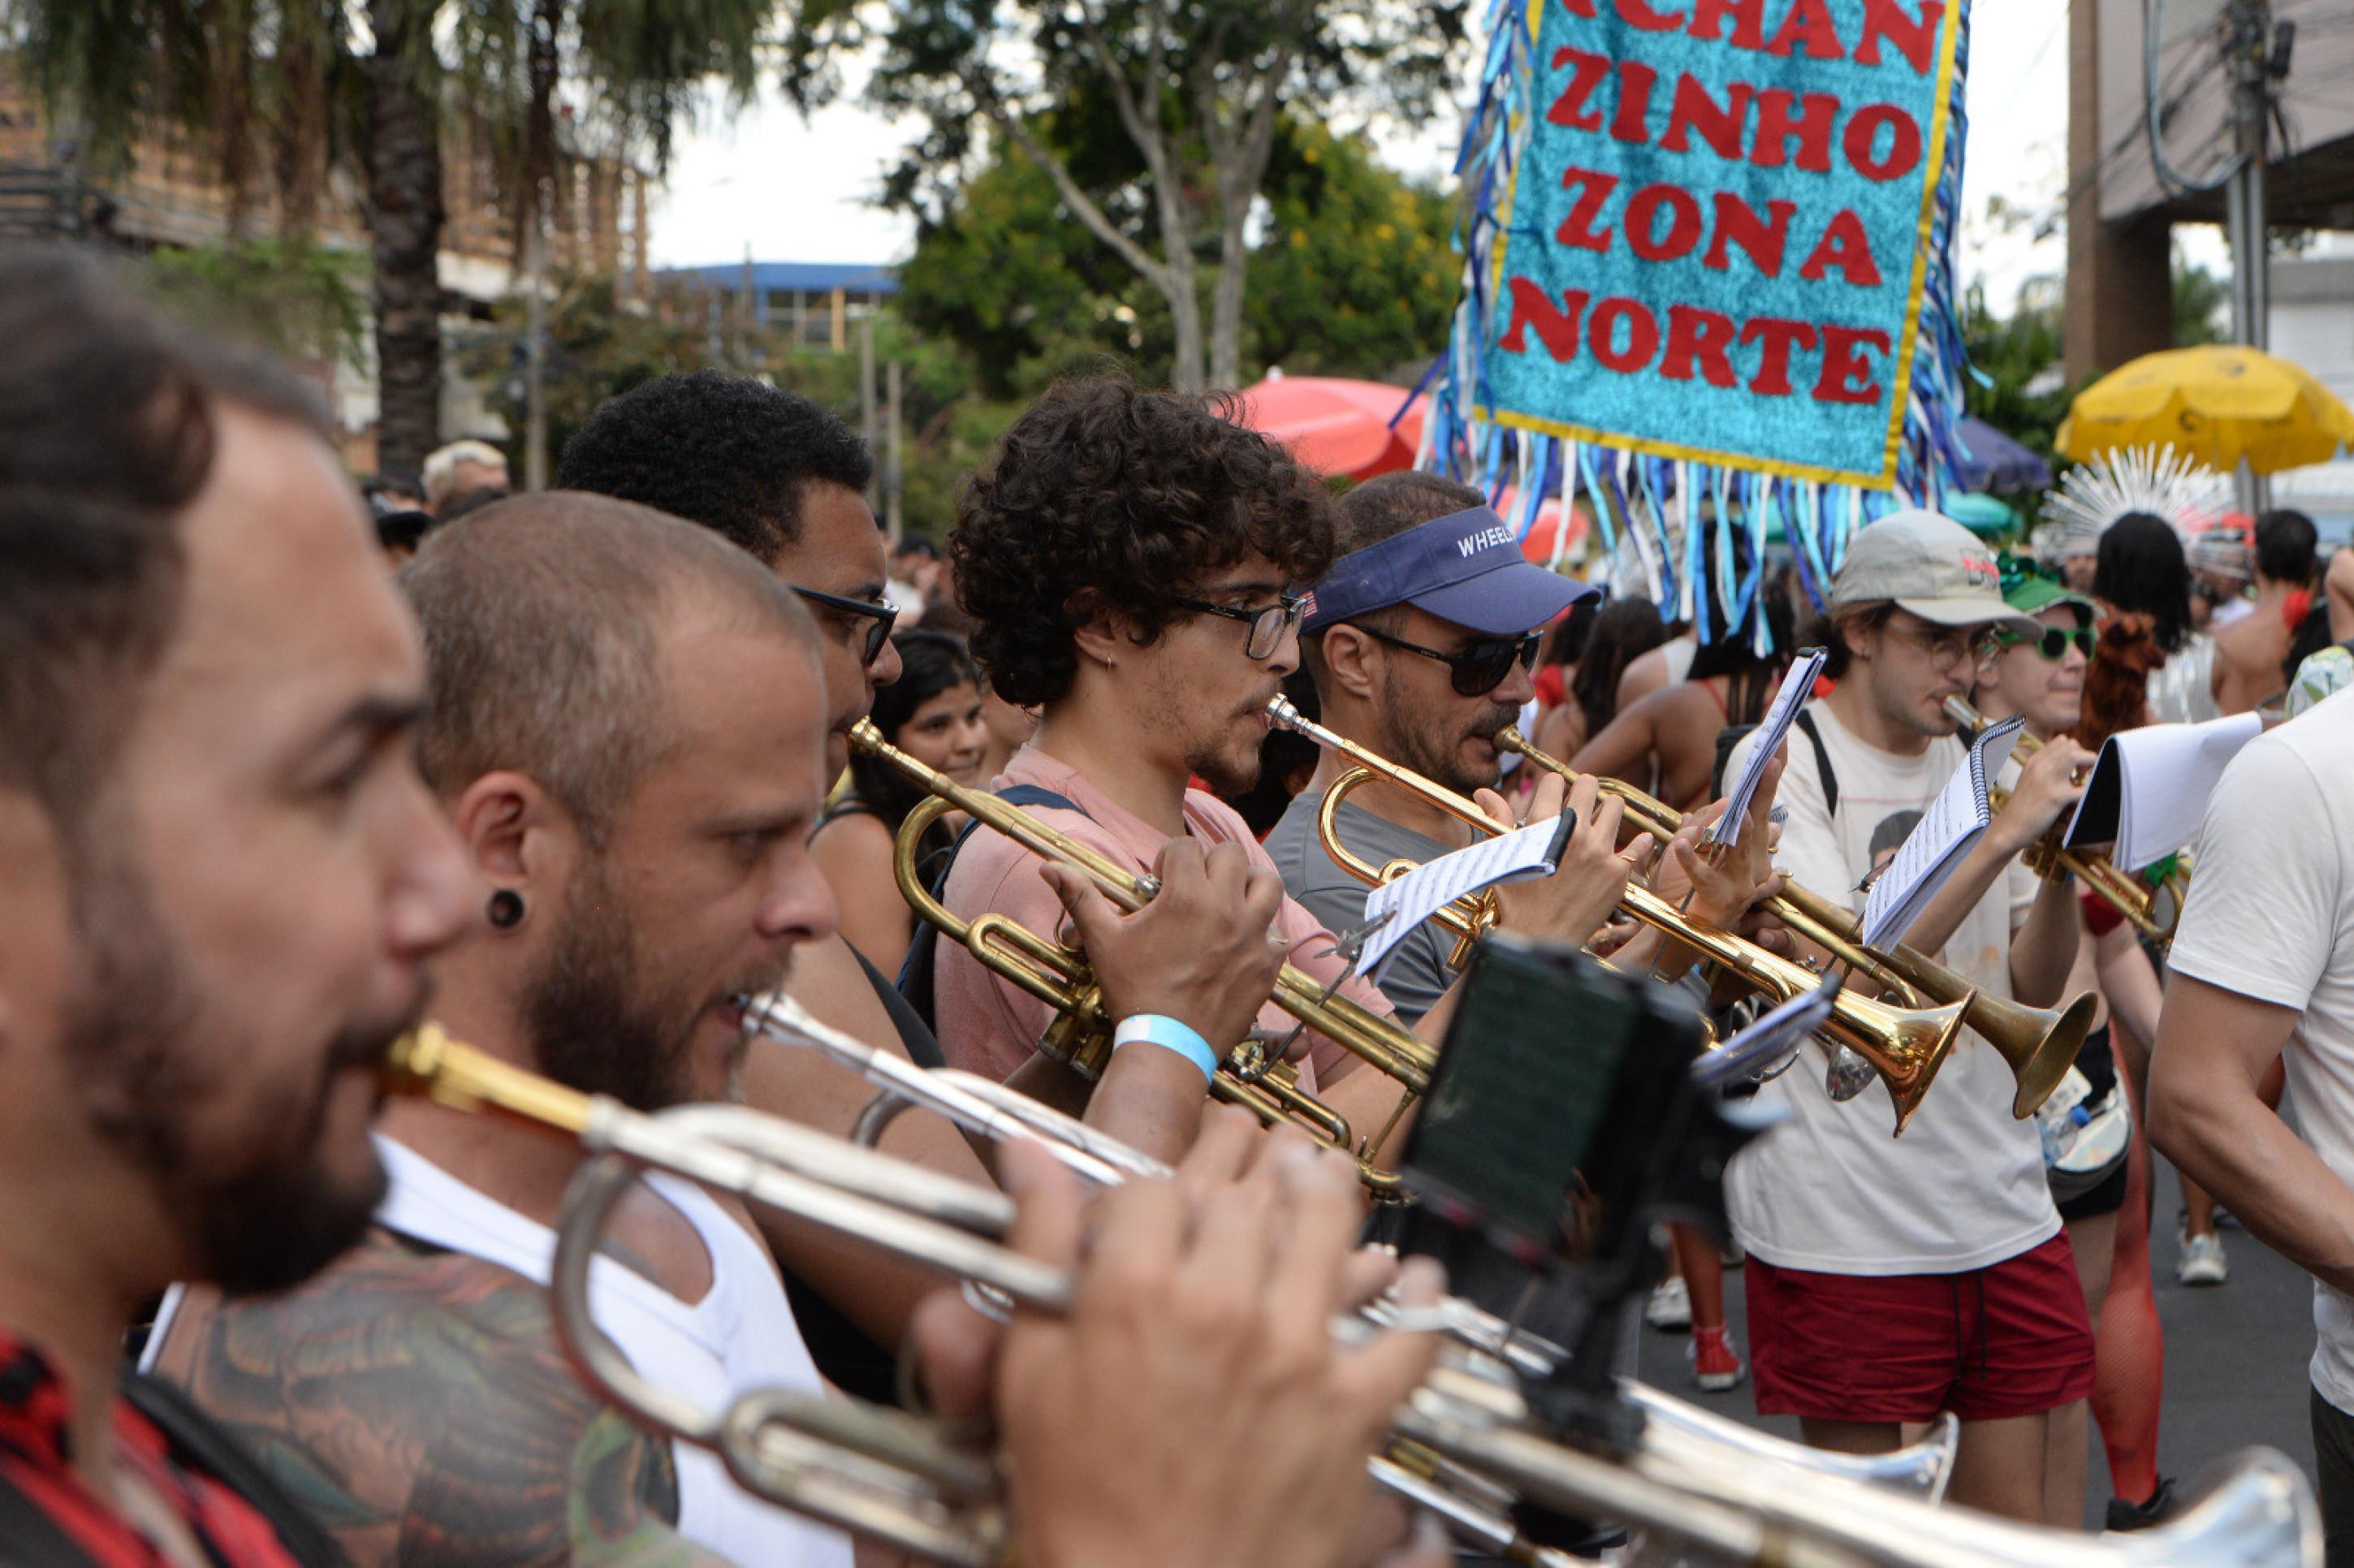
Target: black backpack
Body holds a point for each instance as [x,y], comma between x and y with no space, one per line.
[1732,735]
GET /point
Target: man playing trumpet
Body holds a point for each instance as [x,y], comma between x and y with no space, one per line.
[1134,562]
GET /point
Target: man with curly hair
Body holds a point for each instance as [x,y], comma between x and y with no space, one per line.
[1131,558]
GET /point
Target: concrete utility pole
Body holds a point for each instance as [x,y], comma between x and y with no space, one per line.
[893,518]
[2258,56]
[866,384]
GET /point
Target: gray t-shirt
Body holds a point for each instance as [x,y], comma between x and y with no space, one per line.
[1414,975]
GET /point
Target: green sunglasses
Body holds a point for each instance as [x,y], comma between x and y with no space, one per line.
[2053,643]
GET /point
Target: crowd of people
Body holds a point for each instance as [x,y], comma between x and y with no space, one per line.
[600,762]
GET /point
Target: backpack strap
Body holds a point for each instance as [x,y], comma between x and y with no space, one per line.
[917,973]
[1806,722]
[198,1442]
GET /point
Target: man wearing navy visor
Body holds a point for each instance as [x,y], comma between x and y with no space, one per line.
[1420,638]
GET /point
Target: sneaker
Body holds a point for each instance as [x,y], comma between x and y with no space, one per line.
[2124,1515]
[1671,1304]
[2202,1262]
[1716,1365]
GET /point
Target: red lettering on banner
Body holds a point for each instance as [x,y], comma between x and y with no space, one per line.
[1556,329]
[1719,124]
[1843,365]
[1579,8]
[1593,189]
[1916,39]
[1638,14]
[1695,335]
[1810,23]
[1684,223]
[1811,126]
[1635,82]
[1762,237]
[1779,337]
[1748,27]
[1863,136]
[1642,335]
[1844,245]
[1592,71]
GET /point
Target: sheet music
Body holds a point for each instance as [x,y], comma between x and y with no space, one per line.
[1396,908]
[2149,791]
[1768,1040]
[1798,683]
[1947,832]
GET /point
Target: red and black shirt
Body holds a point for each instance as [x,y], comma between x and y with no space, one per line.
[49,1516]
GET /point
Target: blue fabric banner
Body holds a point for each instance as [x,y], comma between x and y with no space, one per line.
[1712,235]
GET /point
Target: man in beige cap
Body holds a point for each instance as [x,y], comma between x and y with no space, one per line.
[1890,1279]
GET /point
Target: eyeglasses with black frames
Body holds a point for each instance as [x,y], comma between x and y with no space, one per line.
[1477,668]
[881,615]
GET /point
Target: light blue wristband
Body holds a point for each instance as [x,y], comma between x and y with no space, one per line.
[1170,1035]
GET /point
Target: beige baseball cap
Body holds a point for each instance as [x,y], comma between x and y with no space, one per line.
[1927,564]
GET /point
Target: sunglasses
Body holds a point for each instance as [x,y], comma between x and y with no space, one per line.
[881,614]
[1268,623]
[2054,643]
[1478,668]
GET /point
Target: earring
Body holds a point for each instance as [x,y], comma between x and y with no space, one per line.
[506,909]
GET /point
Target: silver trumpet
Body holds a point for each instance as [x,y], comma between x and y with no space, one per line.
[988,1109]
[900,1480]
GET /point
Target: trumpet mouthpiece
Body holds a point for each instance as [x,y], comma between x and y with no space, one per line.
[1280,709]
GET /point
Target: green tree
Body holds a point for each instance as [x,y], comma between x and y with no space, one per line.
[1154,120]
[1353,275]
[285,84]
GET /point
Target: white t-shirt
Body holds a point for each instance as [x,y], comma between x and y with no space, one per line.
[2271,915]
[1829,1189]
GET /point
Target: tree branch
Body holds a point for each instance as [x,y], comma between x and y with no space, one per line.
[1081,205]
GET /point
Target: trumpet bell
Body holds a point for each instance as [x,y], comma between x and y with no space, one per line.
[2046,1060]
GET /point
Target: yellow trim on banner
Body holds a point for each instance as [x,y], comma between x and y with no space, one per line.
[1908,339]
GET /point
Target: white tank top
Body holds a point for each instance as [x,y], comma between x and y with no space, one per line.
[741,1335]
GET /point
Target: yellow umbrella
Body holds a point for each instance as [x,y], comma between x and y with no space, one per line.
[2219,403]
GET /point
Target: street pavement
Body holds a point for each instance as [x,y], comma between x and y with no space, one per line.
[2235,1358]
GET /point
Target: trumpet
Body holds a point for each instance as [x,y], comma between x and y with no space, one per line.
[2040,1043]
[1059,976]
[1465,1440]
[1905,1046]
[2121,890]
[988,1109]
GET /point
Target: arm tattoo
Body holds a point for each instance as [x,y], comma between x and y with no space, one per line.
[417,1400]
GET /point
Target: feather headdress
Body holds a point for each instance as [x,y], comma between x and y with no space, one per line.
[2168,484]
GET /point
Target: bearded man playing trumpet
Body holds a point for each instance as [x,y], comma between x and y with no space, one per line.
[1134,561]
[1890,1279]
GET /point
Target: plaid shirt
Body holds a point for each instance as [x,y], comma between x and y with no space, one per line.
[49,1516]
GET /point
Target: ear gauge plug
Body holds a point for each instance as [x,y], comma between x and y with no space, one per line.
[506,909]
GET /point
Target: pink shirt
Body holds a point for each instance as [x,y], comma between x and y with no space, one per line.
[989,1025]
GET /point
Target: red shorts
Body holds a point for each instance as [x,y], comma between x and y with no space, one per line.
[2011,1339]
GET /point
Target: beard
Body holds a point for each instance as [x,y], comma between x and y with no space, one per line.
[597,1026]
[278,1216]
[1436,756]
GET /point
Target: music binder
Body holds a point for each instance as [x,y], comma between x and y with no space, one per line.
[1939,843]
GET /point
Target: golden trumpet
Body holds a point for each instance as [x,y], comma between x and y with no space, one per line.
[1905,1046]
[2121,890]
[2039,1043]
[1060,976]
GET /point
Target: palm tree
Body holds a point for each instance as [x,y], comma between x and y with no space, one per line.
[279,91]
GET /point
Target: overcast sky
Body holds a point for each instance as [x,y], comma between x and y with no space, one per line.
[791,190]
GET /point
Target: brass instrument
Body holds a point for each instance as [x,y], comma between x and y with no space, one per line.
[2128,894]
[2040,1043]
[1465,1442]
[990,1110]
[1059,976]
[1905,1046]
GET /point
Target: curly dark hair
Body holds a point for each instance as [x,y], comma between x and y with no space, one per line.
[1106,496]
[730,452]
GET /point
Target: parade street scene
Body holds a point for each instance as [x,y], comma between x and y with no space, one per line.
[1176,783]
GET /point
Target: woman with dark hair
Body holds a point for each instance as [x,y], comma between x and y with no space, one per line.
[1623,629]
[932,712]
[1670,736]
[2150,664]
